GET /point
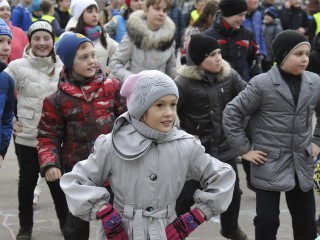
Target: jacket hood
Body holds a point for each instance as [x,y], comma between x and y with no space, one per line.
[129,144]
[87,92]
[144,38]
[196,73]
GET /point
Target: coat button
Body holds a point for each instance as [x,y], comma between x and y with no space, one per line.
[153,177]
[154,144]
[150,209]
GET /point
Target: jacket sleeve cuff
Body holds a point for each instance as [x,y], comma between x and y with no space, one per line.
[3,152]
[96,207]
[205,209]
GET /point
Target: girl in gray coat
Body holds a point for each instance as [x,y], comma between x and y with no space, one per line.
[280,104]
[147,160]
[149,43]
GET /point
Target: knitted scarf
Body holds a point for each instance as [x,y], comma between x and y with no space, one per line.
[93,33]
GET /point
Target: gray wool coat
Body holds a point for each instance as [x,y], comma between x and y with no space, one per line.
[143,49]
[147,177]
[279,128]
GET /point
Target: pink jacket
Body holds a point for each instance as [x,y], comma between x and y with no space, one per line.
[19,41]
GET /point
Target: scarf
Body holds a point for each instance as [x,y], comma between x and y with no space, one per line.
[93,33]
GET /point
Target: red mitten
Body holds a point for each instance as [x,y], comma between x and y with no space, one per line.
[111,222]
[182,226]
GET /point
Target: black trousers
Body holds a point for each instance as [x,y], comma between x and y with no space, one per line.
[29,170]
[229,218]
[301,206]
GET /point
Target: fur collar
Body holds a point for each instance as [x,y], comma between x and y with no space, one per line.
[146,39]
[196,73]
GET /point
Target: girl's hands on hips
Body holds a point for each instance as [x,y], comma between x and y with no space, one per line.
[255,156]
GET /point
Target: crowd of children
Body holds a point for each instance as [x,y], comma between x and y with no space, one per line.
[98,94]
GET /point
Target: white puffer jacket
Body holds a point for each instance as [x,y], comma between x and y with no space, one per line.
[33,84]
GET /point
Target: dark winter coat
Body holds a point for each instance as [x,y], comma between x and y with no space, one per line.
[176,16]
[74,116]
[238,46]
[201,104]
[294,18]
[314,56]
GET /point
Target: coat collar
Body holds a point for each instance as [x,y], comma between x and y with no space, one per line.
[43,64]
[283,88]
[146,39]
[194,72]
[129,144]
[87,92]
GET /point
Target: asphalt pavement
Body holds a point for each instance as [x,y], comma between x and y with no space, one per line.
[46,225]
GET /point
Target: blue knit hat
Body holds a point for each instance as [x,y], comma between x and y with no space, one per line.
[67,47]
[4,28]
[271,11]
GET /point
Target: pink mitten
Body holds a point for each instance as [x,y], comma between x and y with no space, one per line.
[182,226]
[111,222]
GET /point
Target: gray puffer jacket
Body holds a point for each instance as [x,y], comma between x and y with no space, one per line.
[144,49]
[279,128]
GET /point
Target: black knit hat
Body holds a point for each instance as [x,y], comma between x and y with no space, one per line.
[40,25]
[285,42]
[200,46]
[232,7]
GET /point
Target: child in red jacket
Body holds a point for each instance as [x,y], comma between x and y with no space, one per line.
[84,106]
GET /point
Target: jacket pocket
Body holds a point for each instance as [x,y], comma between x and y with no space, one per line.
[25,113]
[268,170]
[309,116]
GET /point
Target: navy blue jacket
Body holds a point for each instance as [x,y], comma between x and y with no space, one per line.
[238,46]
[176,16]
[7,101]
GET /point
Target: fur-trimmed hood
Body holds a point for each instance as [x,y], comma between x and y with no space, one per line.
[145,38]
[196,73]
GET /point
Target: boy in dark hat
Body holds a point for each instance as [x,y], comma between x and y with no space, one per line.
[237,43]
[84,106]
[206,84]
[280,104]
